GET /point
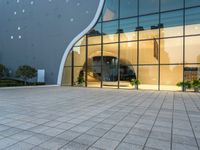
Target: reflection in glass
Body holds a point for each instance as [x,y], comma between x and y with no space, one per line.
[94,52]
[171,24]
[79,76]
[110,65]
[171,51]
[82,41]
[93,76]
[69,59]
[110,32]
[127,73]
[149,27]
[190,3]
[171,4]
[110,72]
[191,72]
[156,38]
[149,52]
[79,55]
[128,8]
[67,76]
[110,50]
[128,29]
[94,36]
[110,10]
[128,53]
[170,75]
[192,49]
[148,76]
[192,20]
[148,6]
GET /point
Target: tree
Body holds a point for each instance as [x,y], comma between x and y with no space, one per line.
[26,72]
[3,71]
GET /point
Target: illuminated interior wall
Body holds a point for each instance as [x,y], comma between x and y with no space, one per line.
[159,49]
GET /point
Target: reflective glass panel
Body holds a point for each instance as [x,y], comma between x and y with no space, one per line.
[110,10]
[82,41]
[190,3]
[110,32]
[94,36]
[94,55]
[191,72]
[79,55]
[171,51]
[128,53]
[93,76]
[67,76]
[69,59]
[79,76]
[192,19]
[110,65]
[192,49]
[148,76]
[170,75]
[148,6]
[128,29]
[171,4]
[127,73]
[128,8]
[148,27]
[171,24]
[149,52]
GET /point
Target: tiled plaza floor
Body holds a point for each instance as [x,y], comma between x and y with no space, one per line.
[79,118]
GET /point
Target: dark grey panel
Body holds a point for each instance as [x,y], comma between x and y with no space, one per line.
[41,31]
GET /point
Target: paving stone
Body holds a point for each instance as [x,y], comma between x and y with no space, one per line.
[117,136]
[158,144]
[177,146]
[97,119]
[20,146]
[86,139]
[97,132]
[127,146]
[106,144]
[74,146]
[54,143]
[6,142]
[37,139]
[134,139]
[69,135]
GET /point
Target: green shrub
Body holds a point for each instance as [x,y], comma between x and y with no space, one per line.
[184,85]
[10,82]
[26,72]
[3,71]
[80,79]
[135,82]
[196,85]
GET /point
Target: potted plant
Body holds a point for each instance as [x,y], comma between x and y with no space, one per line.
[184,85]
[80,79]
[196,85]
[135,82]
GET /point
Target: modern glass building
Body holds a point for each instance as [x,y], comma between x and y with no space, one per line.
[154,41]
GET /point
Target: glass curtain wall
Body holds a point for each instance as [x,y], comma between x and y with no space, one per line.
[156,42]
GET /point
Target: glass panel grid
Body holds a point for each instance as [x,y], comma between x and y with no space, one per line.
[147,50]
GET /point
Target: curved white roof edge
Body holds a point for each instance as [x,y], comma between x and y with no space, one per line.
[78,37]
